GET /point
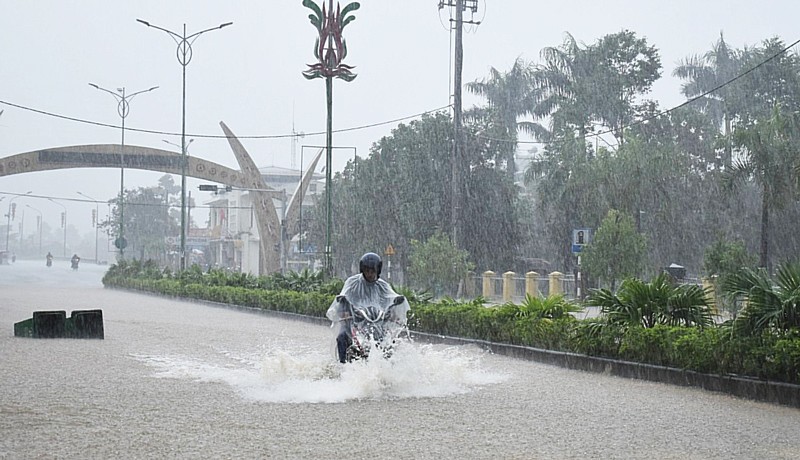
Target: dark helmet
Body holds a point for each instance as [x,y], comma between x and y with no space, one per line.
[370,260]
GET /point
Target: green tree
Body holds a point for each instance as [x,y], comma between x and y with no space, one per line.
[402,191]
[510,96]
[767,156]
[616,251]
[705,78]
[567,194]
[577,85]
[724,258]
[147,222]
[437,265]
[626,68]
[773,81]
[563,85]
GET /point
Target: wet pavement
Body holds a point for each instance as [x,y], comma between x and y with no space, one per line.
[176,379]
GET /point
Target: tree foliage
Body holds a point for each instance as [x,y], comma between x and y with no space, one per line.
[147,219]
[437,265]
[770,305]
[638,303]
[668,170]
[617,250]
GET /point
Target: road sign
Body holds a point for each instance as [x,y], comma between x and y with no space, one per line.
[121,243]
[580,238]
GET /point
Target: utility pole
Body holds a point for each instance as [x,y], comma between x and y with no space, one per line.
[457,152]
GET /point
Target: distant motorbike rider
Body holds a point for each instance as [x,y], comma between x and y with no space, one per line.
[365,288]
[74,261]
[49,258]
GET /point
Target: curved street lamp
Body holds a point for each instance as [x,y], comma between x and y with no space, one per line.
[95,223]
[184,54]
[8,215]
[38,226]
[123,108]
[64,223]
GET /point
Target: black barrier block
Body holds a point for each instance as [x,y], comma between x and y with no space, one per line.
[24,328]
[87,324]
[49,324]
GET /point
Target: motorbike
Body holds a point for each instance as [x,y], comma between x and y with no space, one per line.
[75,263]
[373,328]
[49,261]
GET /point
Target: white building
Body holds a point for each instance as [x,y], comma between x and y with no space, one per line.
[234,233]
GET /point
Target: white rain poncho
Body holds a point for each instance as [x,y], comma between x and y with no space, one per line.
[362,293]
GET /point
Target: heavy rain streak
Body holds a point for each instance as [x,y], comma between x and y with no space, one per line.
[350,229]
[185,380]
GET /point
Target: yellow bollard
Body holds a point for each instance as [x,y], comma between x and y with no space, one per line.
[532,284]
[711,297]
[488,292]
[555,283]
[508,286]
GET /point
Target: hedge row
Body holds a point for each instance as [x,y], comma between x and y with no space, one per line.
[711,350]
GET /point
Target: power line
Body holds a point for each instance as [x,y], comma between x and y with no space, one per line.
[218,136]
[114,201]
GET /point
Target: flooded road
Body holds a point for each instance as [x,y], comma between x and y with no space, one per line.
[176,379]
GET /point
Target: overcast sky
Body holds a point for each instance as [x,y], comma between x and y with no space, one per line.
[249,74]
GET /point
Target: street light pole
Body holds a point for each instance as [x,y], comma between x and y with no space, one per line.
[38,226]
[65,225]
[8,225]
[123,109]
[176,145]
[184,43]
[96,221]
[330,50]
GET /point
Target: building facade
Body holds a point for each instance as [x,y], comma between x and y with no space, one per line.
[234,240]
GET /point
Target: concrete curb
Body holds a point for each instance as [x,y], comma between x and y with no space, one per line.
[785,394]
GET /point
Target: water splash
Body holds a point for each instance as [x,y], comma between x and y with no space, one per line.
[309,376]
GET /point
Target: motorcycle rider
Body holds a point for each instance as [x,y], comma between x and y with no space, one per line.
[75,259]
[49,258]
[365,288]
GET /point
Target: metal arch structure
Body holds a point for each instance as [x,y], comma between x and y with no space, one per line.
[111,156]
[134,157]
[273,236]
[269,225]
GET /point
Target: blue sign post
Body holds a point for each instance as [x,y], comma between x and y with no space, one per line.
[580,238]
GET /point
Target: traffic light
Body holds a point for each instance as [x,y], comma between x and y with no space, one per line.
[63,219]
[94,217]
[13,210]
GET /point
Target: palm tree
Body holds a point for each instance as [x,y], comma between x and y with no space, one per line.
[709,72]
[659,302]
[510,96]
[769,305]
[767,157]
[554,306]
[564,86]
[562,176]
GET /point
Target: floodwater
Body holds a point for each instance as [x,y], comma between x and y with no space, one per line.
[176,379]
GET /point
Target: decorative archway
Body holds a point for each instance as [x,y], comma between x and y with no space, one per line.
[151,159]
